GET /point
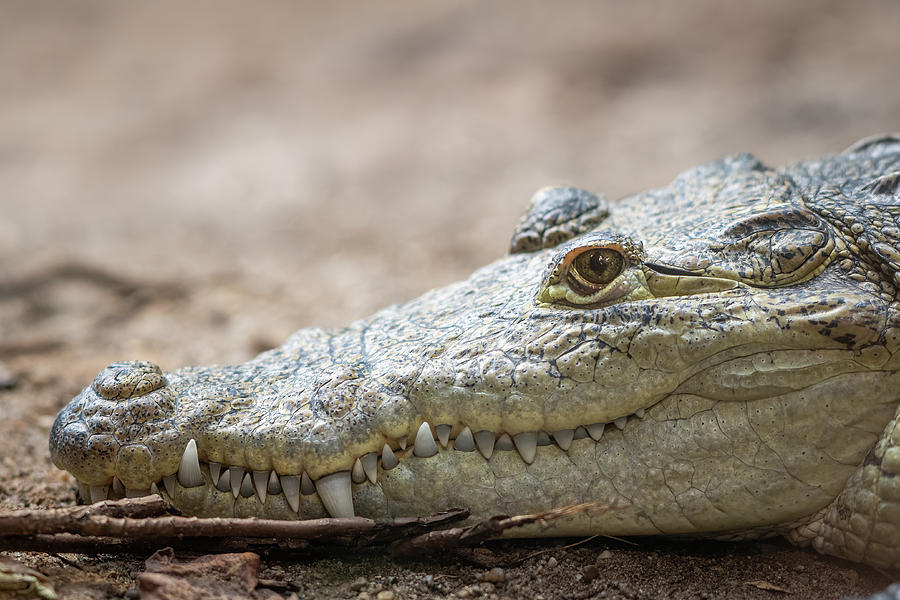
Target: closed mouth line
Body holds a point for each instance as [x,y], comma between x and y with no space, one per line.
[335,489]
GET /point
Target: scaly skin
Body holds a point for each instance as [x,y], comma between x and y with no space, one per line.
[730,340]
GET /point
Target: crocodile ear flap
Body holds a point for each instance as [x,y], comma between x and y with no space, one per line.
[781,246]
[876,228]
[557,214]
[873,143]
[885,185]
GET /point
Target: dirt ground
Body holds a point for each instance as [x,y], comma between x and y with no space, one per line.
[190,182]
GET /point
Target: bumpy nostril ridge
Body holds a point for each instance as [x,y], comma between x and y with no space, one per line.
[129,379]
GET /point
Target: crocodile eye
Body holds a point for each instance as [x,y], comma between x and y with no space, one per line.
[595,268]
[594,271]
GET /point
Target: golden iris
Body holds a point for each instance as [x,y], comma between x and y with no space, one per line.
[597,267]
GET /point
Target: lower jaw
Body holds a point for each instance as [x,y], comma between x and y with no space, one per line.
[504,485]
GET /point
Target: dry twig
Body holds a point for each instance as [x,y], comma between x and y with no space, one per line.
[142,523]
[457,538]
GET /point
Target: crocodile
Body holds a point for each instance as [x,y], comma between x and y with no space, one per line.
[716,358]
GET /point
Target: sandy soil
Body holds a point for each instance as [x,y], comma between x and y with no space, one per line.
[189,183]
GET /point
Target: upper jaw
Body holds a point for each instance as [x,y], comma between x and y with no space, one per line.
[318,422]
[198,460]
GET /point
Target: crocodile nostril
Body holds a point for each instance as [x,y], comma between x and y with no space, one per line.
[129,379]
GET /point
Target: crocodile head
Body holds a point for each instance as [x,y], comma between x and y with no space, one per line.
[718,357]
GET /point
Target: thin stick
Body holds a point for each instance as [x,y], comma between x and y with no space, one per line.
[137,519]
[462,537]
[31,521]
[141,524]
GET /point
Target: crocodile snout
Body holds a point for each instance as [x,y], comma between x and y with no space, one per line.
[107,431]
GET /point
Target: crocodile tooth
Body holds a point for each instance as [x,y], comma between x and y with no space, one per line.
[260,479]
[443,434]
[334,491]
[484,439]
[118,488]
[237,478]
[215,469]
[189,474]
[563,438]
[290,484]
[370,466]
[424,446]
[99,493]
[580,433]
[224,483]
[154,489]
[84,490]
[388,458]
[136,493]
[504,442]
[274,486]
[526,444]
[620,422]
[169,484]
[246,489]
[639,413]
[307,487]
[401,441]
[464,441]
[595,430]
[543,438]
[358,474]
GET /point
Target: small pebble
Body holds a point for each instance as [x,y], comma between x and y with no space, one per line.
[358,584]
[363,596]
[591,573]
[605,554]
[495,575]
[552,562]
[385,595]
[8,379]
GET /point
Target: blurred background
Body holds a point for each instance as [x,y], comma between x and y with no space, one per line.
[192,181]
